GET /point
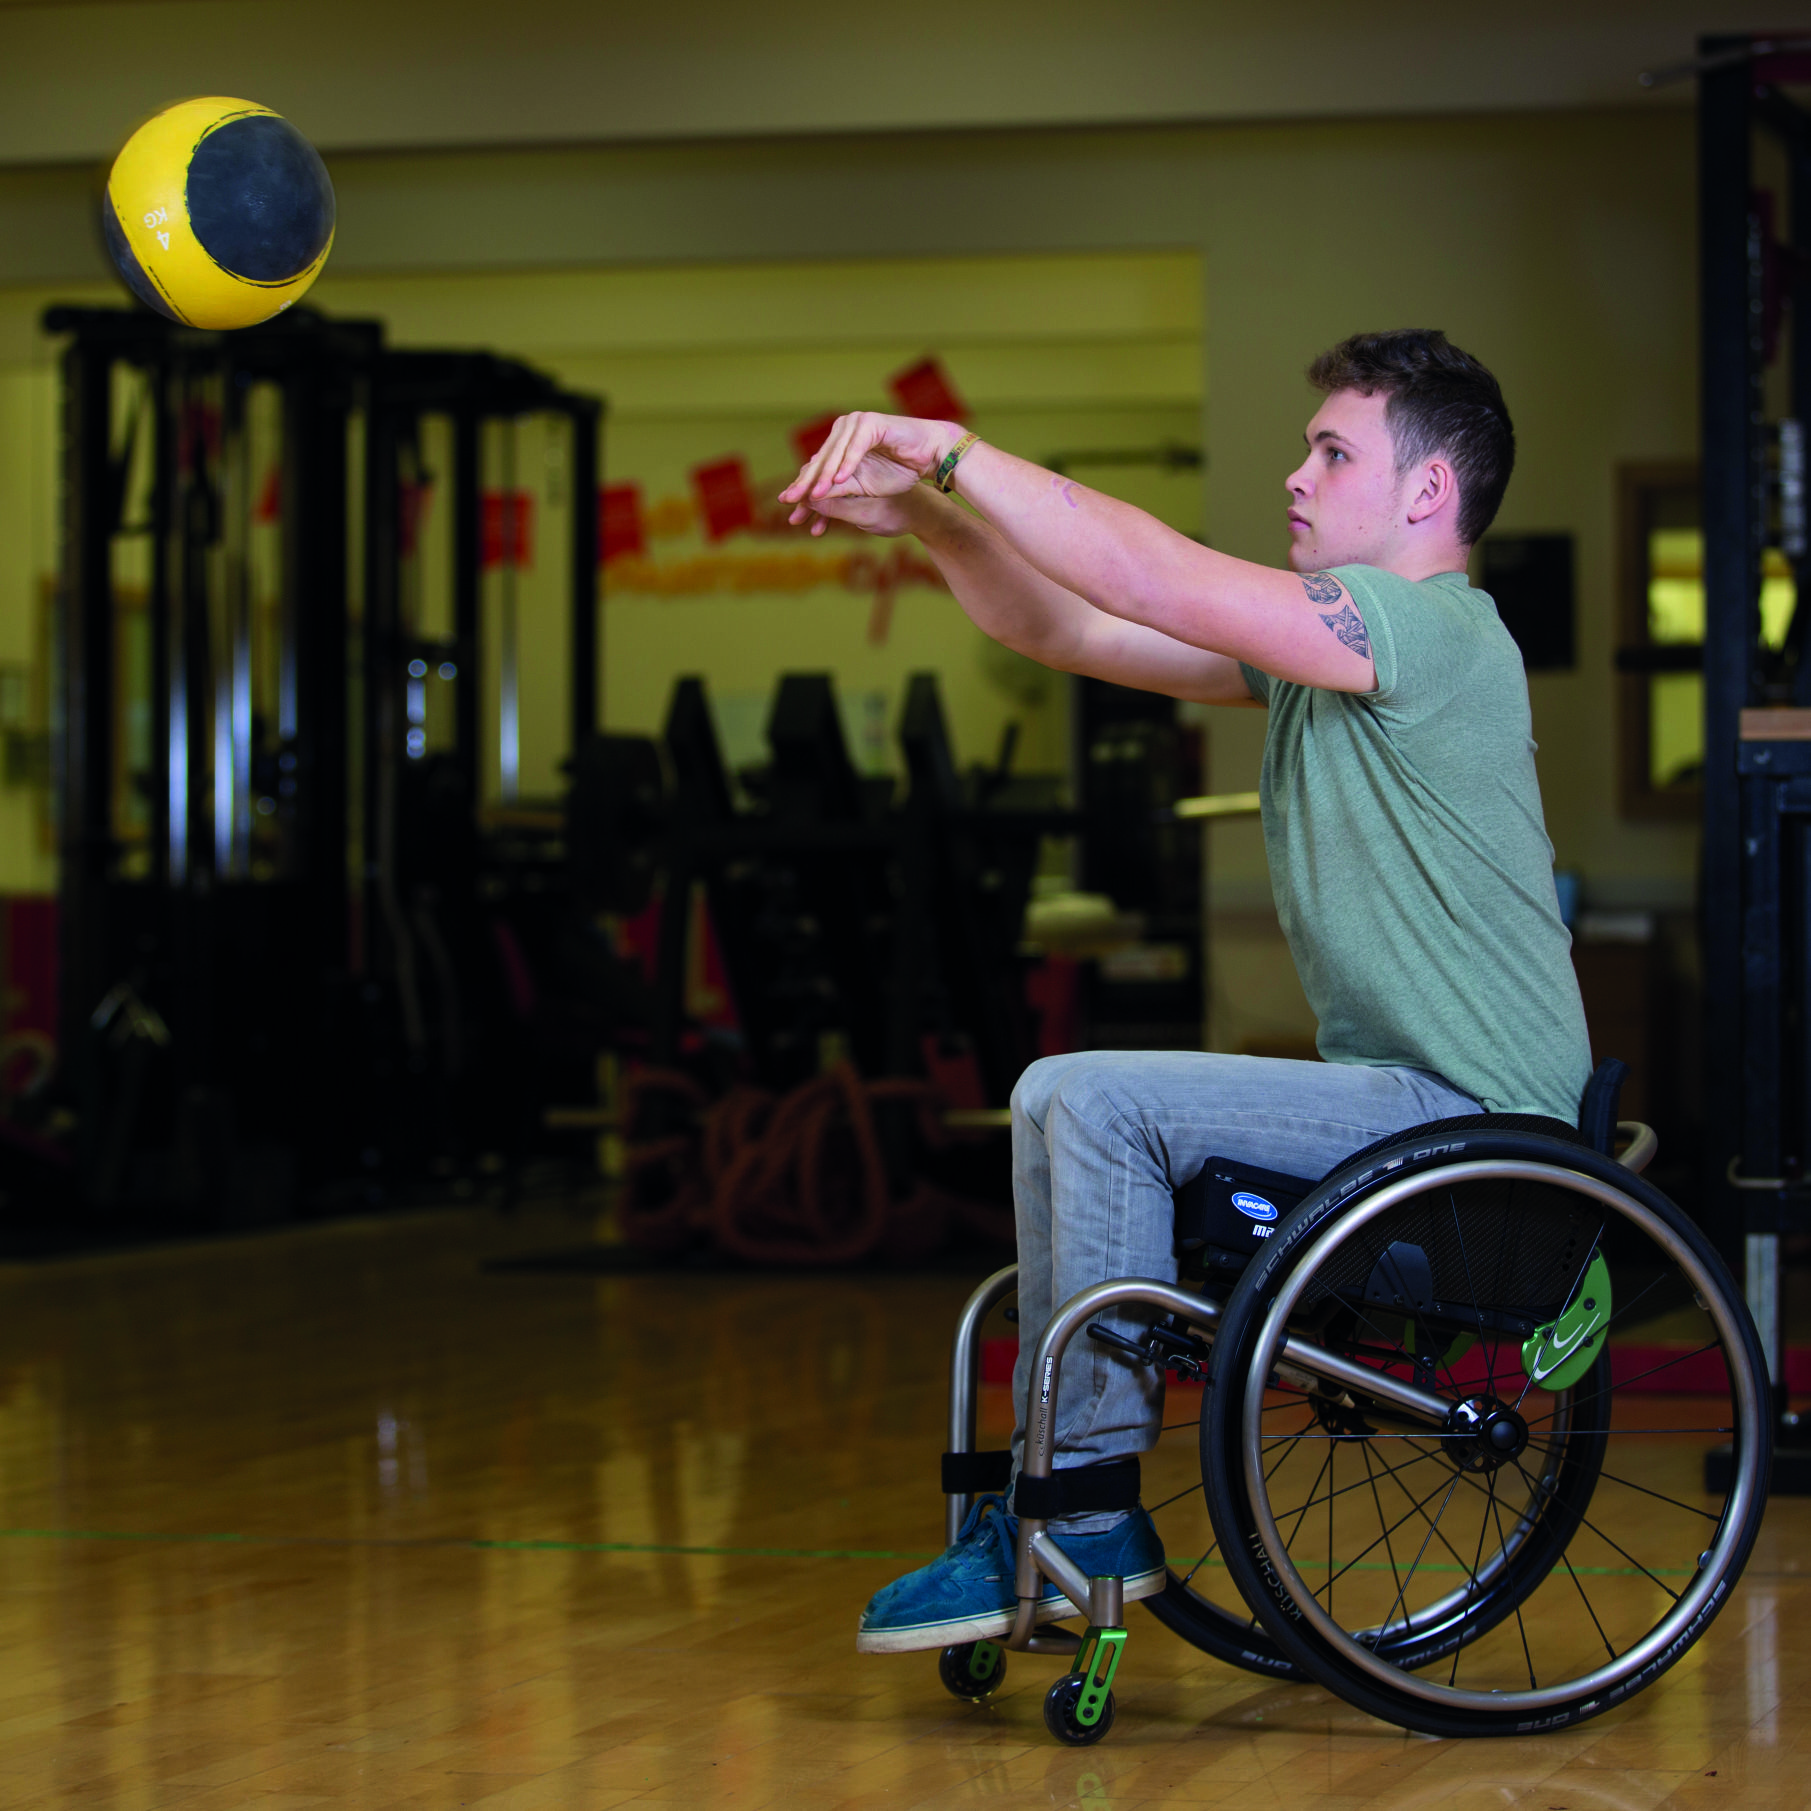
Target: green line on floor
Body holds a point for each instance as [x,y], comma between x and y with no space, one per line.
[470,1545]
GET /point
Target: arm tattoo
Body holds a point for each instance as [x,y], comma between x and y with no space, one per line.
[1349,626]
[1322,588]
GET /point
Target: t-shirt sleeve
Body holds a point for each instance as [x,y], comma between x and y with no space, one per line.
[1258,682]
[1417,646]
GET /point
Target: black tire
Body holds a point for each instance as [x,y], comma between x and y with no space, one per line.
[1059,1714]
[1202,1623]
[956,1667]
[1522,1195]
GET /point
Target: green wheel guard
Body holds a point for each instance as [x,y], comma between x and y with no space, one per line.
[1557,1356]
[1096,1664]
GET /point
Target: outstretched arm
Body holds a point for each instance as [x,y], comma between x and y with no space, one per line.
[1123,562]
[1012,602]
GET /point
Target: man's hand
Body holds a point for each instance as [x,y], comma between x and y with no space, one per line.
[872,457]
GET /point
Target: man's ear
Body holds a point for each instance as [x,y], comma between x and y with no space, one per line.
[1436,489]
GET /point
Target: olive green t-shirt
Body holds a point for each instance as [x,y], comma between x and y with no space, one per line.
[1410,863]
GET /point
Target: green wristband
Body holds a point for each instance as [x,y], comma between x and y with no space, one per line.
[946,472]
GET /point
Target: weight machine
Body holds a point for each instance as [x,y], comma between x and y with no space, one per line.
[284,755]
[1757,699]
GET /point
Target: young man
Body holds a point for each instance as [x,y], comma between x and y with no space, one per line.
[1402,821]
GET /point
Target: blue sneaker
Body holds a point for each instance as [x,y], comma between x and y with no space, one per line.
[967,1594]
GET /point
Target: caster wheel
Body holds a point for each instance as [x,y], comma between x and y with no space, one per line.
[1059,1714]
[974,1670]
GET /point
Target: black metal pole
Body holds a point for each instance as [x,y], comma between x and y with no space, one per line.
[587,599]
[84,743]
[1729,361]
[468,548]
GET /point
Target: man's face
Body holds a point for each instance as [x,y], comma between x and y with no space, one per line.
[1345,501]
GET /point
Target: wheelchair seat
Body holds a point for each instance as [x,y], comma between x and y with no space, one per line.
[1220,1219]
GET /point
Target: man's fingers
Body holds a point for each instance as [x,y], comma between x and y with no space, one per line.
[812,469]
[828,456]
[849,440]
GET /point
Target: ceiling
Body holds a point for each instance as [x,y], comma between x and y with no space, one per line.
[421,74]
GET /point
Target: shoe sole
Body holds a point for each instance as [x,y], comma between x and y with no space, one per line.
[957,1629]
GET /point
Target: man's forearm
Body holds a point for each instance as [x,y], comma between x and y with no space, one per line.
[1110,554]
[1009,600]
[1005,597]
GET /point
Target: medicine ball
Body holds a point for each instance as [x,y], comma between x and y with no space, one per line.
[218,213]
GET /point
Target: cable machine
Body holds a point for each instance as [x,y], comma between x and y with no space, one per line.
[289,719]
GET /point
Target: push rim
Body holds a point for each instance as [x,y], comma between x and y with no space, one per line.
[1716,1561]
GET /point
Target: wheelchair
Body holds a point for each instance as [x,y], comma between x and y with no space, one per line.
[1484,1437]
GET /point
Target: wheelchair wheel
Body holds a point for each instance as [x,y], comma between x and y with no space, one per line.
[1553,1550]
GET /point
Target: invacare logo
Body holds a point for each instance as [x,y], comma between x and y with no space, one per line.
[1254,1207]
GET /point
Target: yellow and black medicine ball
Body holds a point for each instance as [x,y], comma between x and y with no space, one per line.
[218,213]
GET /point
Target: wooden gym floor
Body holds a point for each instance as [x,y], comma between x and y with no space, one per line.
[335,1518]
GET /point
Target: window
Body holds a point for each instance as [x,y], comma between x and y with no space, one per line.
[1661,642]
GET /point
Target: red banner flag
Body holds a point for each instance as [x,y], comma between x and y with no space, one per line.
[508,529]
[725,497]
[925,390]
[808,436]
[269,506]
[619,525]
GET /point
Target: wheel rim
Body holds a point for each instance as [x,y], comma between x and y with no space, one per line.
[1709,1578]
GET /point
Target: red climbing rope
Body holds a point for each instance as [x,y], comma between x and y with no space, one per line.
[785,1179]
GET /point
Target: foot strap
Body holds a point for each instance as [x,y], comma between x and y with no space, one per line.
[1079,1490]
[969,1474]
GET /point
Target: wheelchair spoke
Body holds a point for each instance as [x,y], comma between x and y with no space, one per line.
[1459,1477]
[1521,1626]
[1377,1499]
[1289,1538]
[1645,1290]
[1433,1528]
[1490,1374]
[1643,1432]
[1586,1522]
[1188,1576]
[1710,1515]
[1609,1646]
[1623,1383]
[1177,1498]
[1346,1489]
[1383,1539]
[1471,1586]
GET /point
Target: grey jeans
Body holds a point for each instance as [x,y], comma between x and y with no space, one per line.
[1099,1141]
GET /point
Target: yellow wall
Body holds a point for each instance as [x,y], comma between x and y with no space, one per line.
[1558,247]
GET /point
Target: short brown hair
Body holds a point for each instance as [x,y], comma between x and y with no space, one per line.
[1441,401]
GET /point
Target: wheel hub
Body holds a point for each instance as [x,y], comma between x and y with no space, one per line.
[1484,1433]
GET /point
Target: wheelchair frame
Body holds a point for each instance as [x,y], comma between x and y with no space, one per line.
[1087,1708]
